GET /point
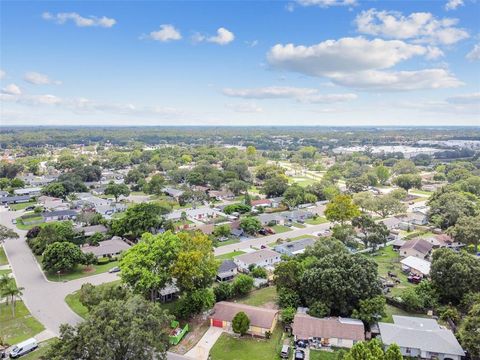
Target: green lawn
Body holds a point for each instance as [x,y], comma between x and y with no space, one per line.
[73,300]
[21,327]
[322,355]
[230,255]
[6,271]
[79,272]
[21,226]
[41,351]
[22,206]
[228,242]
[319,220]
[298,225]
[392,310]
[421,192]
[303,181]
[230,347]
[280,228]
[267,295]
[3,257]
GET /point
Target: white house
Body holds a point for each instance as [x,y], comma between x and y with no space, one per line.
[416,265]
[261,258]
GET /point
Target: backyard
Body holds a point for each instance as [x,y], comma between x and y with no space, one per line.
[81,271]
[20,327]
[265,297]
[316,221]
[229,255]
[229,347]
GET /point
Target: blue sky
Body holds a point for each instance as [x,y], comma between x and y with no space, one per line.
[305,62]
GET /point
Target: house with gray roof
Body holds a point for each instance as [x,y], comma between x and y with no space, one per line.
[297,215]
[294,247]
[59,215]
[421,338]
[32,191]
[267,219]
[174,193]
[262,258]
[108,248]
[417,247]
[227,270]
[15,199]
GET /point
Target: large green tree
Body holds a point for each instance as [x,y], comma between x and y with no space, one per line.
[62,256]
[116,190]
[240,323]
[446,207]
[116,330]
[341,209]
[467,231]
[469,333]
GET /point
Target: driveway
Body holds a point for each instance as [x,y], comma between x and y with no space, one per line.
[202,349]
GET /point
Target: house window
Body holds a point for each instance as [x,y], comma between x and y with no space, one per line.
[408,350]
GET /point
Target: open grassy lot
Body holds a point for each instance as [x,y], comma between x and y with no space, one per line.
[73,300]
[22,206]
[3,257]
[303,181]
[82,271]
[262,297]
[420,192]
[229,347]
[322,355]
[21,327]
[230,255]
[388,260]
[319,220]
[298,225]
[37,354]
[280,228]
[228,242]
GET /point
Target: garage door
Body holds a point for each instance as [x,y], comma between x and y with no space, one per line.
[217,323]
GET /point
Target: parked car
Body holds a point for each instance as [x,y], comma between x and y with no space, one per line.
[30,208]
[23,348]
[301,344]
[263,247]
[114,269]
[14,221]
[299,355]
[285,353]
[414,279]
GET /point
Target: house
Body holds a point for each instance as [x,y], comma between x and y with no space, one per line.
[391,223]
[397,244]
[4,193]
[50,203]
[174,193]
[416,265]
[168,293]
[34,180]
[333,331]
[276,201]
[421,338]
[59,215]
[107,248]
[237,232]
[271,219]
[227,270]
[261,203]
[91,230]
[411,221]
[221,194]
[15,199]
[261,319]
[32,191]
[202,213]
[444,241]
[294,247]
[262,258]
[297,215]
[417,247]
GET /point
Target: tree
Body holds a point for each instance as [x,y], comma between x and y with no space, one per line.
[222,231]
[242,285]
[61,256]
[11,290]
[408,181]
[447,207]
[370,310]
[388,204]
[467,231]
[251,151]
[287,275]
[341,209]
[52,233]
[142,327]
[373,233]
[6,233]
[250,225]
[469,334]
[259,272]
[140,218]
[155,185]
[404,166]
[373,350]
[393,353]
[195,302]
[240,323]
[287,315]
[238,186]
[55,189]
[357,184]
[275,186]
[223,291]
[382,173]
[454,274]
[116,190]
[365,200]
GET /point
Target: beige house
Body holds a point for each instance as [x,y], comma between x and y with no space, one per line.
[261,319]
[418,247]
[261,258]
[333,331]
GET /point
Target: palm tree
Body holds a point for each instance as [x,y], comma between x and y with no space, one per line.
[14,292]
[4,281]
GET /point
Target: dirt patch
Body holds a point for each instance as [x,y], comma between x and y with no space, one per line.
[198,326]
[270,305]
[89,269]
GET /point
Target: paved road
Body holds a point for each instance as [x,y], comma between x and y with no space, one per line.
[45,299]
[257,242]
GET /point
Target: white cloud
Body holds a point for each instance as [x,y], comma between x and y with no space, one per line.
[421,26]
[398,80]
[2,74]
[303,95]
[252,43]
[11,89]
[326,3]
[166,33]
[343,55]
[474,54]
[453,4]
[245,108]
[80,21]
[473,98]
[36,78]
[223,37]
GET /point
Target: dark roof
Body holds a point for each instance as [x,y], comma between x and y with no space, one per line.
[226,265]
[112,246]
[59,213]
[9,199]
[418,244]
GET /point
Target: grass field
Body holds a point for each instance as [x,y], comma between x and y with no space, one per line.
[319,220]
[298,225]
[229,347]
[228,242]
[21,327]
[280,229]
[230,255]
[79,272]
[260,297]
[322,355]
[22,206]
[3,257]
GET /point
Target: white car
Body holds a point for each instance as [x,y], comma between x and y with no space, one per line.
[23,348]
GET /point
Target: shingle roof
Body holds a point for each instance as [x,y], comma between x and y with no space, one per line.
[295,246]
[59,213]
[305,326]
[418,333]
[418,244]
[260,317]
[257,256]
[111,246]
[226,265]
